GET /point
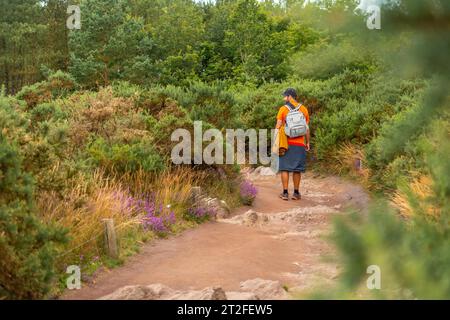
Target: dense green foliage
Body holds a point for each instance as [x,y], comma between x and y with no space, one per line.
[413,255]
[147,41]
[32,39]
[27,246]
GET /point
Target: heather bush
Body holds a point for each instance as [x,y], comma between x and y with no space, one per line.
[248,192]
[200,214]
[154,217]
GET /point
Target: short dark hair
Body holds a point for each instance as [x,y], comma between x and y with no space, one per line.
[290,92]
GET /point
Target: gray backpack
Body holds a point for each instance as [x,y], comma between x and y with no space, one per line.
[296,125]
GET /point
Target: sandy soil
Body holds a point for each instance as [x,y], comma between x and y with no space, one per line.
[284,241]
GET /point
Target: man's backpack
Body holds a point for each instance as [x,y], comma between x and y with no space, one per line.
[296,125]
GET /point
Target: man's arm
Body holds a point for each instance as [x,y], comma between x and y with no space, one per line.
[279,119]
[279,124]
[308,133]
[308,137]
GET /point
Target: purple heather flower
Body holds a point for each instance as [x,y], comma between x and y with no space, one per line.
[155,218]
[149,208]
[248,192]
[171,218]
[201,212]
[155,224]
[248,189]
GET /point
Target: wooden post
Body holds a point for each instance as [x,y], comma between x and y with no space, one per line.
[112,249]
[196,193]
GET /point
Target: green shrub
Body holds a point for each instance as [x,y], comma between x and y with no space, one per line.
[125,89]
[13,121]
[124,157]
[47,111]
[58,84]
[413,257]
[413,254]
[27,247]
[214,104]
[322,60]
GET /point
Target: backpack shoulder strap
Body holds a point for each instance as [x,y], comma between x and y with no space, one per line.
[292,108]
[288,107]
[304,107]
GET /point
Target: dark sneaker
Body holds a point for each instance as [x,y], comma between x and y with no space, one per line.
[296,196]
[284,196]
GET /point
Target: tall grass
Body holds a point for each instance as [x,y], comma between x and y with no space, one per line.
[98,196]
[82,210]
[350,159]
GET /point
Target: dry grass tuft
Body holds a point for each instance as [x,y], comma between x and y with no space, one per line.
[350,158]
[421,189]
[83,209]
[171,186]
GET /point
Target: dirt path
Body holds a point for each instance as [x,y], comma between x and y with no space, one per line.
[282,241]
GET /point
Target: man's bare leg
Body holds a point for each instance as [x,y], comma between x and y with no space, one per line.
[285,179]
[285,183]
[297,177]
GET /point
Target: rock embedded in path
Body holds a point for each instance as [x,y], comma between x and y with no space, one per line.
[162,292]
[159,291]
[151,292]
[267,172]
[237,295]
[221,208]
[257,170]
[256,289]
[262,171]
[250,218]
[215,293]
[264,289]
[225,206]
[128,293]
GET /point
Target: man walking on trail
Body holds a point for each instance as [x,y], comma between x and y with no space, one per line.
[293,119]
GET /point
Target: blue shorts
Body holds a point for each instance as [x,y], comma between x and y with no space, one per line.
[294,160]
